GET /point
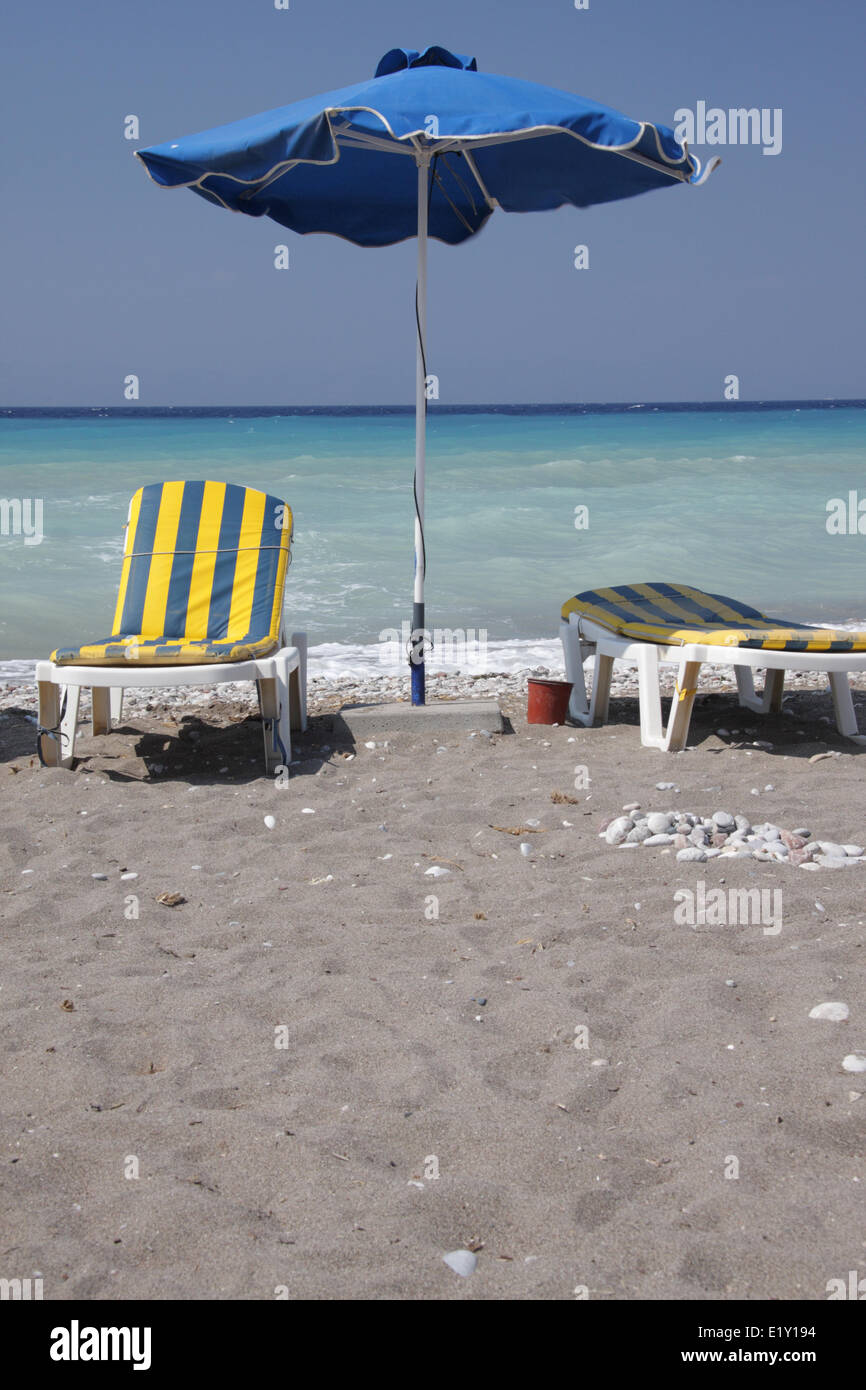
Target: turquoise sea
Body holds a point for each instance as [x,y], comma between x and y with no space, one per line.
[731,499]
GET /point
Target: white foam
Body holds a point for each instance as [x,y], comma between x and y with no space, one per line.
[346,661]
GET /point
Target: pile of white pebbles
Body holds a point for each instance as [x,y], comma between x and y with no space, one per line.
[721,835]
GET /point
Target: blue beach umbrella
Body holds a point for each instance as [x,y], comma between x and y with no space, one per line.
[429,147]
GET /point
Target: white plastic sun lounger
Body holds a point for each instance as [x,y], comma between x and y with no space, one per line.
[652,624]
[200,603]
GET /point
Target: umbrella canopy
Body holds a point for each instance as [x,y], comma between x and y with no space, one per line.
[466,143]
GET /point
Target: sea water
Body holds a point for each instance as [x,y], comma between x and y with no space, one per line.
[524,507]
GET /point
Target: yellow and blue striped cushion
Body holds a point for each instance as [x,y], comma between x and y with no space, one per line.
[675,613]
[204,568]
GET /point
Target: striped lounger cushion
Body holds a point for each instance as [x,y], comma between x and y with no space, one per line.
[675,613]
[204,568]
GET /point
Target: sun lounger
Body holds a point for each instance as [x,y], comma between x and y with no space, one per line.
[654,623]
[200,603]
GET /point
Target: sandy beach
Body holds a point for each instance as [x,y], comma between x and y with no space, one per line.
[327,1067]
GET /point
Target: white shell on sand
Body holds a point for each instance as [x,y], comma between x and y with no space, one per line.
[270,822]
[463,1262]
[834,1012]
[855,1061]
[436,871]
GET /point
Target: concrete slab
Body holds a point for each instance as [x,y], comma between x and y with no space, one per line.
[440,716]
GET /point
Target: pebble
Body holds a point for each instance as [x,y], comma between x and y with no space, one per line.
[436,871]
[307,811]
[833,861]
[692,854]
[833,1012]
[855,1061]
[124,878]
[270,822]
[731,983]
[632,806]
[101,877]
[791,840]
[638,834]
[463,1262]
[723,820]
[659,822]
[658,840]
[666,787]
[618,829]
[854,851]
[525,848]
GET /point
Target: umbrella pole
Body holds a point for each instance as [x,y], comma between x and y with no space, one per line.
[416,648]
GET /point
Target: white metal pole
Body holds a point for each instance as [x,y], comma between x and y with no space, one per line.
[417,643]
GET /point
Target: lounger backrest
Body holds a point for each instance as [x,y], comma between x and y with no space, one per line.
[204,560]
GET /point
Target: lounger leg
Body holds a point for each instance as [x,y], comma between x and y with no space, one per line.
[116,704]
[49,718]
[681,708]
[284,685]
[746,688]
[770,698]
[601,678]
[774,685]
[69,725]
[269,706]
[574,653]
[843,706]
[651,735]
[100,700]
[298,684]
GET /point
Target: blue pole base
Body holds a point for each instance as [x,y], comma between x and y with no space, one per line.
[416,655]
[418,691]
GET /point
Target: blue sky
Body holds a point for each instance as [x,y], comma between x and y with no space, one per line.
[759,273]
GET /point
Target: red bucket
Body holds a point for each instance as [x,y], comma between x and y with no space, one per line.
[548,701]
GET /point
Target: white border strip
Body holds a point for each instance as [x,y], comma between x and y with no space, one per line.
[398,145]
